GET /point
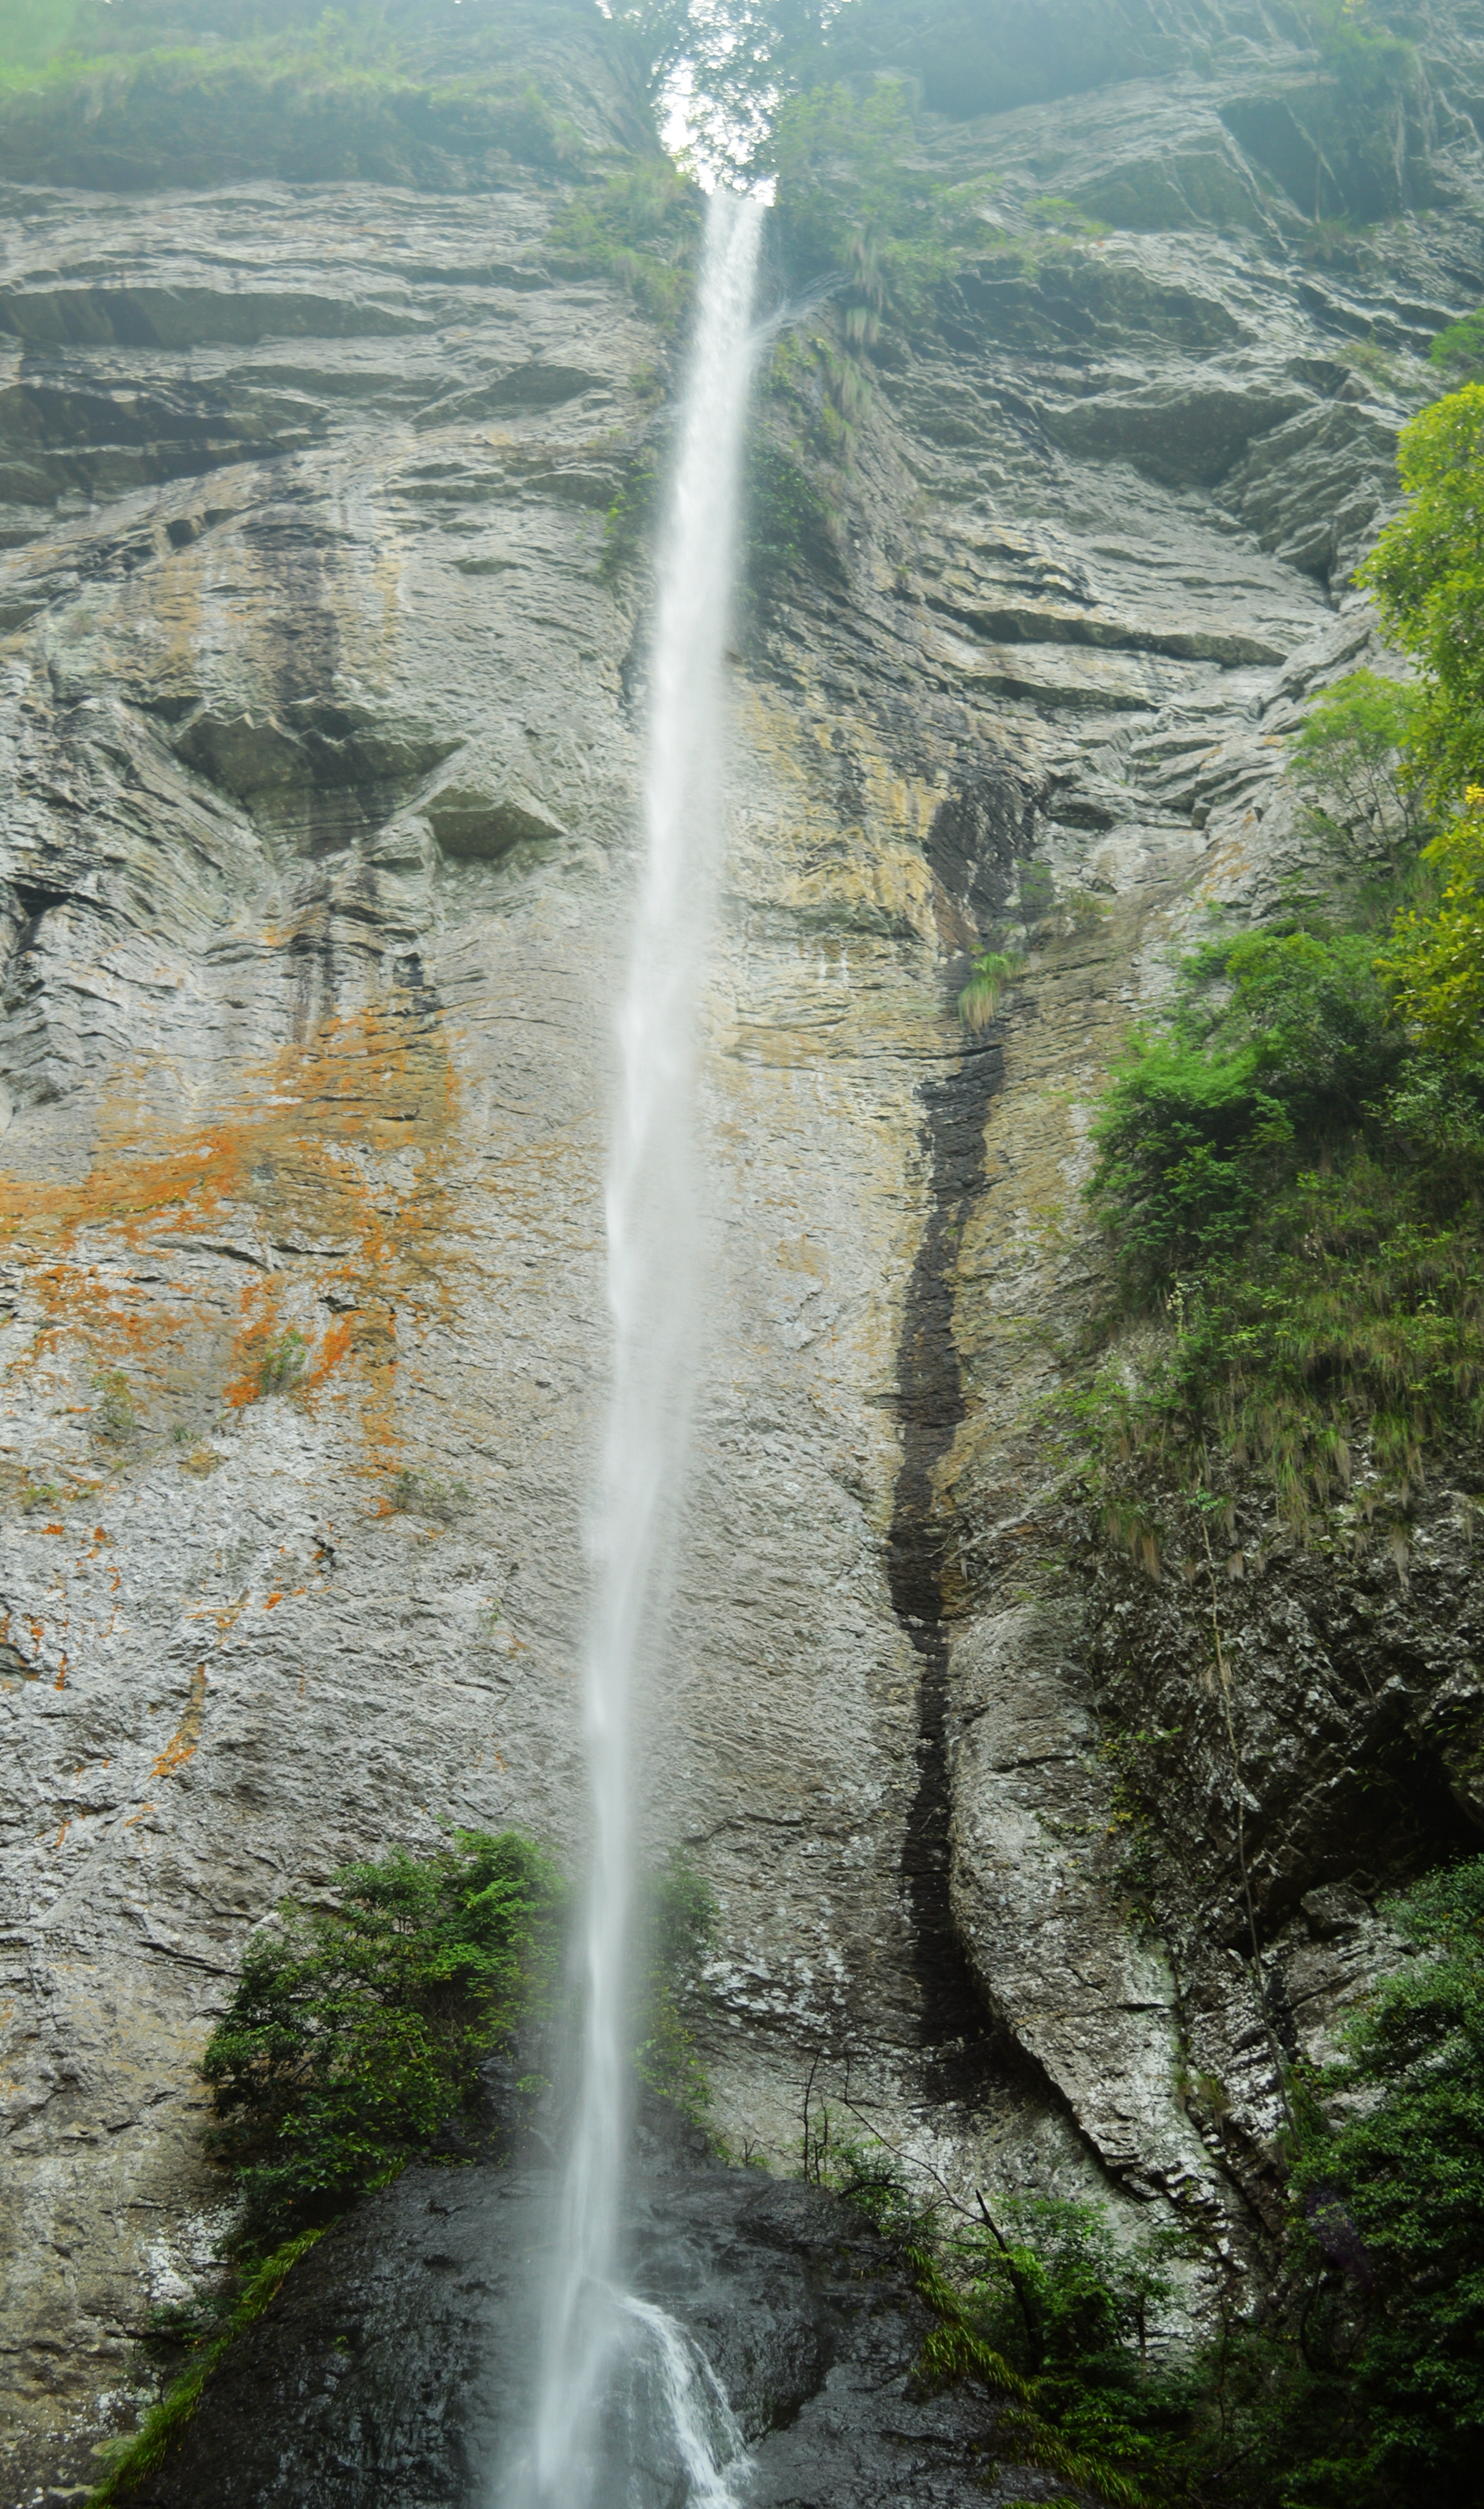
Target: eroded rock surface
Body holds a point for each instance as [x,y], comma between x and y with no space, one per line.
[320,742]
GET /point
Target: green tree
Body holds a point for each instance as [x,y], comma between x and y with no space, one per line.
[1276,1044]
[356,2030]
[1349,764]
[1433,961]
[851,201]
[1459,347]
[1426,573]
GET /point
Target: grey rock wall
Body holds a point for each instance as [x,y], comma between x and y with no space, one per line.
[321,744]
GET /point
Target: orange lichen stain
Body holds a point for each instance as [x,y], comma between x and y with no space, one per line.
[60,1683]
[334,1347]
[62,1834]
[302,1152]
[276,1596]
[182,1742]
[50,1528]
[135,1817]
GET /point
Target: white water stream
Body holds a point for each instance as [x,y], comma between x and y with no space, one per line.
[602,2352]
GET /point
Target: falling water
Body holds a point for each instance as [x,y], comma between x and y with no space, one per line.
[593,2336]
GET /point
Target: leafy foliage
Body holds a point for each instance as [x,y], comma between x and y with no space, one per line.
[1205,1120]
[1361,2382]
[1426,573]
[1460,346]
[356,2030]
[638,227]
[1360,51]
[1303,1195]
[849,201]
[377,88]
[1292,1165]
[1435,959]
[994,971]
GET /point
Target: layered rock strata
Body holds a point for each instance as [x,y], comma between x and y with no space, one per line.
[321,736]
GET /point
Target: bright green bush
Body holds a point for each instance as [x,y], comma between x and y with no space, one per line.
[355,2031]
[1459,348]
[638,227]
[1301,1190]
[1349,760]
[1275,1047]
[1433,961]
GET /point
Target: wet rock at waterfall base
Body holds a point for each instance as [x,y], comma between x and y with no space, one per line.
[395,2370]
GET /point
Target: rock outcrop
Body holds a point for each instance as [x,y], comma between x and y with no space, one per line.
[321,729]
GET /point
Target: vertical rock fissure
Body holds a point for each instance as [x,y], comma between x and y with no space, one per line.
[930,1406]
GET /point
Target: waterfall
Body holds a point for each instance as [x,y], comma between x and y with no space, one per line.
[591,2331]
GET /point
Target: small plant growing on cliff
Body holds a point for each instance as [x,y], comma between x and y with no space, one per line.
[282,1363]
[638,229]
[115,1419]
[356,2030]
[414,1494]
[995,972]
[131,2457]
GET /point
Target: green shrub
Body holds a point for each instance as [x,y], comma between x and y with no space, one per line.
[1348,761]
[120,97]
[1426,573]
[994,971]
[355,2031]
[414,1494]
[1433,961]
[788,527]
[116,1417]
[1459,348]
[1300,1190]
[639,228]
[1276,1045]
[1365,59]
[282,1363]
[1357,2381]
[1043,2306]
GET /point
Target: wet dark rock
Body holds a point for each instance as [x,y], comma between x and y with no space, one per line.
[395,2368]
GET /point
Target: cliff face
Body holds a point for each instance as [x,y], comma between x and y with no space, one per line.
[322,734]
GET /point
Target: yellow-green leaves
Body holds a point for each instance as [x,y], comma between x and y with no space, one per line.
[1426,571]
[1434,963]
